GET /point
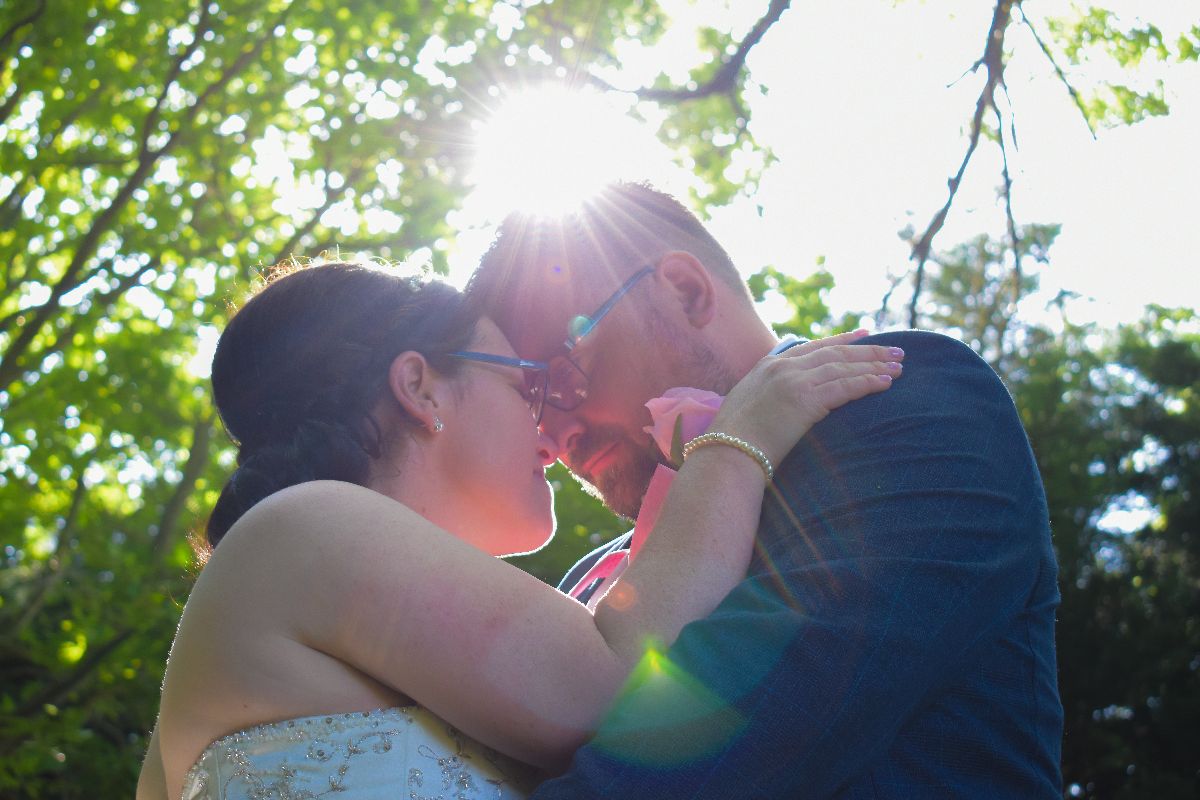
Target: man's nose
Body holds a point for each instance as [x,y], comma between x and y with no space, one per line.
[561,429]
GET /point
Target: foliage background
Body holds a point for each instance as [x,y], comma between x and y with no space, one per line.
[131,215]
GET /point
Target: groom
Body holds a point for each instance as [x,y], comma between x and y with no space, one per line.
[894,636]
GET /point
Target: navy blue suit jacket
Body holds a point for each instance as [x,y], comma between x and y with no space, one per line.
[894,636]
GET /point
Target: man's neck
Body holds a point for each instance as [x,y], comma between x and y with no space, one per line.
[788,340]
[740,339]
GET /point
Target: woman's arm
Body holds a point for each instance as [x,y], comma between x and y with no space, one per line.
[497,653]
[152,783]
[704,536]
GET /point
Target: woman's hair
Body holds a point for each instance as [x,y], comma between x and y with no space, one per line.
[302,364]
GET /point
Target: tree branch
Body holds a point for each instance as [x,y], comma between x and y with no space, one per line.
[286,251]
[239,64]
[44,145]
[993,61]
[290,245]
[54,568]
[725,79]
[173,73]
[10,206]
[1062,76]
[50,137]
[125,284]
[5,38]
[10,364]
[196,462]
[28,19]
[881,314]
[1014,239]
[56,691]
[10,104]
[104,302]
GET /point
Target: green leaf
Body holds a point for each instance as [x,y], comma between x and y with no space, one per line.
[677,443]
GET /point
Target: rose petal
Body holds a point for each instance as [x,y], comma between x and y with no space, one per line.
[696,407]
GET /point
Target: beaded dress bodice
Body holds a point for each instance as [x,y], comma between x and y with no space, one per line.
[395,753]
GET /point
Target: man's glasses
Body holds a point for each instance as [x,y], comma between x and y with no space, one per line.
[560,383]
[581,325]
[534,372]
[567,383]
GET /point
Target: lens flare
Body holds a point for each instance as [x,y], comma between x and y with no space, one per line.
[545,149]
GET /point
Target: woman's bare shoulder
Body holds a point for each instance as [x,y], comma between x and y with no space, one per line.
[320,496]
[325,509]
[321,535]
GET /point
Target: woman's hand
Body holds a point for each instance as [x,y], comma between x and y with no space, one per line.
[785,395]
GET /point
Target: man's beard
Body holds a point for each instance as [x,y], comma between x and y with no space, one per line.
[624,482]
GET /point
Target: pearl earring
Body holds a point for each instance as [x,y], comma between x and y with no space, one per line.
[438,427]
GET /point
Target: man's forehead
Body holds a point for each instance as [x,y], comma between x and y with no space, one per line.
[544,295]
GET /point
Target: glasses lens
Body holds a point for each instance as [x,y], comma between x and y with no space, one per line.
[535,390]
[567,385]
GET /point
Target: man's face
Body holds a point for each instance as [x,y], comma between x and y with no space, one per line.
[634,353]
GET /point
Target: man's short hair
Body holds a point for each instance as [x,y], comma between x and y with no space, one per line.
[601,242]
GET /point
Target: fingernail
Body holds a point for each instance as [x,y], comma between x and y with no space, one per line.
[861,332]
[894,366]
[895,352]
[886,378]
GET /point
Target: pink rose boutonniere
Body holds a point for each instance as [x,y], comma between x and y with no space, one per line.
[677,417]
[680,415]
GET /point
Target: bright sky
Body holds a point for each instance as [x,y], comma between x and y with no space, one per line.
[867,129]
[866,113]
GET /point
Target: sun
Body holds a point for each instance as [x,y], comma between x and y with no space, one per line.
[545,149]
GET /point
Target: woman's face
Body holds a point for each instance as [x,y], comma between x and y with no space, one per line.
[494,455]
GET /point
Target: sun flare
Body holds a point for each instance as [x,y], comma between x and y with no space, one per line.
[546,149]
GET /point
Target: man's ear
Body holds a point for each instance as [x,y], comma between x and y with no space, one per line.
[690,285]
[416,387]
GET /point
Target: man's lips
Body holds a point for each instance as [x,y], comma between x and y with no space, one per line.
[588,470]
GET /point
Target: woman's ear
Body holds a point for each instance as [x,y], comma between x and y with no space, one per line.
[690,285]
[417,388]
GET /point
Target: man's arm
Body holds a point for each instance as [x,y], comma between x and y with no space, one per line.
[908,530]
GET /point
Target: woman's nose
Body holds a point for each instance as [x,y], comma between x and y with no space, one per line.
[547,448]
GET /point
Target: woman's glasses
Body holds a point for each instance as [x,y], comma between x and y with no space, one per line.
[560,383]
[535,374]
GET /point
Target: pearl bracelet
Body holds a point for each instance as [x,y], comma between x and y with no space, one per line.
[731,441]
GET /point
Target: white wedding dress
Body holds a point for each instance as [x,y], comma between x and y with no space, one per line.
[395,753]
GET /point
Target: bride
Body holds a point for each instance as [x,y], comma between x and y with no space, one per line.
[352,630]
